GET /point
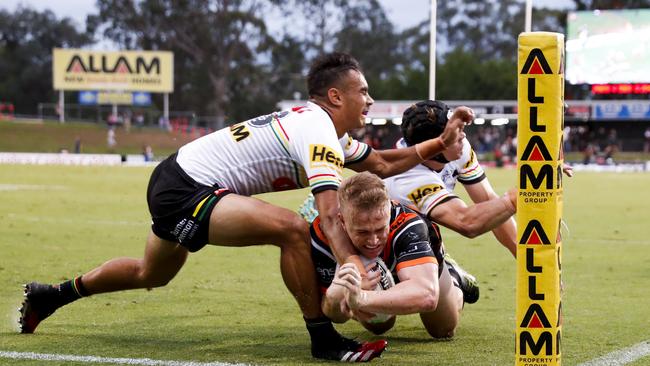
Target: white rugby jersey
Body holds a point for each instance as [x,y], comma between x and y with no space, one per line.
[283,150]
[425,188]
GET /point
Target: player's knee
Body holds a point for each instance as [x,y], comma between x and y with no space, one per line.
[442,333]
[294,231]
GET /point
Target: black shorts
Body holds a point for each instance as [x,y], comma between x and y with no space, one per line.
[180,207]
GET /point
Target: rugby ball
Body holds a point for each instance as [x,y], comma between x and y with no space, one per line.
[386,281]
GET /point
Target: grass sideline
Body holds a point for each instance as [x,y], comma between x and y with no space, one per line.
[230,305]
[50,137]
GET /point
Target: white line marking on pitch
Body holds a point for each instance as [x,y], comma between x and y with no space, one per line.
[622,356]
[72,221]
[110,360]
[30,187]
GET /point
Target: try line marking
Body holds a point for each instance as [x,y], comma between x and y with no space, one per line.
[622,356]
[109,360]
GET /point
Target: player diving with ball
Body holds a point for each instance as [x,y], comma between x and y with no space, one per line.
[399,245]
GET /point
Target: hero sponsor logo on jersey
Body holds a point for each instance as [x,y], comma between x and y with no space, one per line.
[417,195]
[322,154]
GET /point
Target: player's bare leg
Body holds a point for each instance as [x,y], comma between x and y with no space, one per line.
[161,261]
[243,221]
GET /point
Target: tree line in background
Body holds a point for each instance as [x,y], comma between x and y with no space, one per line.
[235,59]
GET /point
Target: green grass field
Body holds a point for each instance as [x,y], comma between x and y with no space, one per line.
[51,136]
[230,305]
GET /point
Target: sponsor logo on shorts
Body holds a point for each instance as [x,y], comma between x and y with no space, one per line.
[185,230]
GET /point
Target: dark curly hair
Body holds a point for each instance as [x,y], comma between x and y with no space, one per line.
[328,69]
[424,121]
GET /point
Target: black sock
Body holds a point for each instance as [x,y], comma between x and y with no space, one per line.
[71,290]
[322,331]
[455,277]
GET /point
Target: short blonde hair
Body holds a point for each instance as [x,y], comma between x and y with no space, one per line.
[363,191]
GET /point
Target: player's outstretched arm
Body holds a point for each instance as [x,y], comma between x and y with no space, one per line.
[386,163]
[417,291]
[506,233]
[471,221]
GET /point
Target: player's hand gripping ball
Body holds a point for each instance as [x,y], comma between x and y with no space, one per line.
[385,282]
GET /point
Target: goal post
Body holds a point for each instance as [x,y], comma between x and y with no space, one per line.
[540,101]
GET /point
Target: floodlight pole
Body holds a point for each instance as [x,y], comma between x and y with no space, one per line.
[432,51]
[529,16]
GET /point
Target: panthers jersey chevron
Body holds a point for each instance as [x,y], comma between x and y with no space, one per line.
[284,150]
[425,188]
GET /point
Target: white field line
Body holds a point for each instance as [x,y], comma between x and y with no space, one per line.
[622,356]
[71,221]
[30,187]
[108,360]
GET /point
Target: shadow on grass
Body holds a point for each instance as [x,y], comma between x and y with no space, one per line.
[151,339]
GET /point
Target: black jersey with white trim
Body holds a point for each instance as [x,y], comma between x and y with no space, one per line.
[284,150]
[412,240]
